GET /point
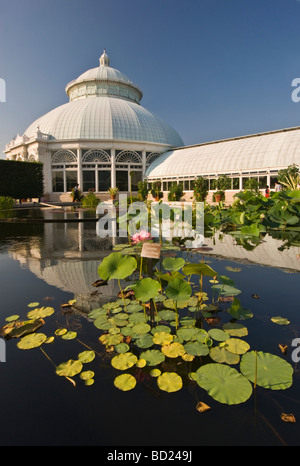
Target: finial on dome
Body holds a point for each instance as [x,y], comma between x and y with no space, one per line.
[104,60]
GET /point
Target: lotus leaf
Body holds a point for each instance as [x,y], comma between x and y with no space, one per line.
[273,372]
[226,290]
[237,346]
[280,320]
[103,323]
[173,263]
[89,381]
[32,340]
[173,350]
[17,328]
[33,304]
[178,290]
[188,357]
[162,338]
[235,329]
[223,383]
[153,357]
[146,289]
[69,368]
[221,355]
[69,335]
[218,334]
[125,382]
[117,266]
[145,341]
[203,337]
[169,382]
[40,313]
[124,361]
[188,321]
[196,348]
[199,269]
[141,328]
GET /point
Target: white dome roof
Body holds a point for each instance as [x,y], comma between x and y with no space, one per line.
[104,105]
[105,118]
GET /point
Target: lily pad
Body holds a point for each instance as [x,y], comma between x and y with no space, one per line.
[40,313]
[223,383]
[199,269]
[144,341]
[280,320]
[69,368]
[86,375]
[153,357]
[124,361]
[221,355]
[141,328]
[125,382]
[238,312]
[32,340]
[235,329]
[218,334]
[162,338]
[173,350]
[237,346]
[196,348]
[122,348]
[69,335]
[272,371]
[169,382]
[86,356]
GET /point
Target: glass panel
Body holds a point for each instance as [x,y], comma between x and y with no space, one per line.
[136,177]
[235,183]
[88,178]
[165,186]
[244,180]
[122,180]
[213,183]
[262,182]
[58,181]
[104,181]
[273,180]
[186,185]
[71,179]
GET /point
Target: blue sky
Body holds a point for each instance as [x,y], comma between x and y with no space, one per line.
[213,69]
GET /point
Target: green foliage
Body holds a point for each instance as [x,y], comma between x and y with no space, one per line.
[200,189]
[21,180]
[156,190]
[90,200]
[284,174]
[143,190]
[176,192]
[6,203]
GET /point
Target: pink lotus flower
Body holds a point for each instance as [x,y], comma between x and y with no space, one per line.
[140,236]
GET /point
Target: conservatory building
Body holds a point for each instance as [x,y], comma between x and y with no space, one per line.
[101,138]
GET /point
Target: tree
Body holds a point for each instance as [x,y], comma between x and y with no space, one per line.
[200,189]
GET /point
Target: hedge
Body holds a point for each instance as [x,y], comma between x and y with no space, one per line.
[21,180]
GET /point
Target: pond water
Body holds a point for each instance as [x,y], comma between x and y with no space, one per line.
[53,262]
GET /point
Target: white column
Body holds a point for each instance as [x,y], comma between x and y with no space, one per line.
[113,168]
[144,161]
[79,169]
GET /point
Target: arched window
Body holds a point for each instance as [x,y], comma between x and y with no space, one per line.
[64,170]
[129,166]
[96,166]
[151,157]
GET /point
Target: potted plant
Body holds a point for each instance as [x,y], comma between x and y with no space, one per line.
[113,192]
[143,190]
[218,196]
[200,189]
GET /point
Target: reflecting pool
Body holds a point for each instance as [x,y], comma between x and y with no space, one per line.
[53,262]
